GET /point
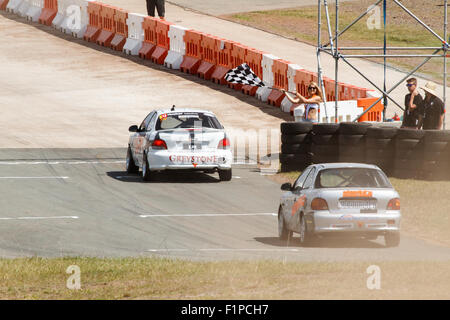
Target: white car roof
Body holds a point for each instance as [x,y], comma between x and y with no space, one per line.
[184,110]
[346,165]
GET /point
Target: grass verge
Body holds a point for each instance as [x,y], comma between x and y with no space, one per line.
[155,278]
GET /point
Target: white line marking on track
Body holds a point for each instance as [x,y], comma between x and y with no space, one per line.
[205,215]
[57,162]
[39,218]
[49,177]
[225,249]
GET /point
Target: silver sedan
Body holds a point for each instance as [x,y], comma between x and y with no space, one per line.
[347,199]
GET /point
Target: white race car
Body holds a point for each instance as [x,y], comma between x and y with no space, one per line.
[182,139]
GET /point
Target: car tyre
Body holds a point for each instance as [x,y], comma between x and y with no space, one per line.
[130,165]
[305,237]
[225,175]
[283,233]
[146,173]
[392,239]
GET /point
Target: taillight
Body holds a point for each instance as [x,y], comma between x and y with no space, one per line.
[224,144]
[159,144]
[319,204]
[394,204]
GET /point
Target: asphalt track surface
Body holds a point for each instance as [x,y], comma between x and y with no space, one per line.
[81,202]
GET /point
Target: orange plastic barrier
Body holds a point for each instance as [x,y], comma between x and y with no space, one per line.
[193,57]
[49,12]
[253,58]
[209,57]
[121,28]
[162,41]
[238,52]
[330,89]
[279,69]
[3,4]
[107,24]
[94,26]
[375,114]
[149,44]
[223,50]
[302,79]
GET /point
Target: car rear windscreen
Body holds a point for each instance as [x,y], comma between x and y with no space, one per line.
[184,120]
[352,178]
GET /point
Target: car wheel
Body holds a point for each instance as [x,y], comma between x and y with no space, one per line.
[225,175]
[304,236]
[283,233]
[146,173]
[130,165]
[392,239]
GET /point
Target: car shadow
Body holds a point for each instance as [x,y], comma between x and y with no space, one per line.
[165,177]
[321,243]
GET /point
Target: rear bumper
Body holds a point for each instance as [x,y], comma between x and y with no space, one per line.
[169,160]
[382,222]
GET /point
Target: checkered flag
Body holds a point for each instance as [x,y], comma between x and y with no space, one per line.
[243,74]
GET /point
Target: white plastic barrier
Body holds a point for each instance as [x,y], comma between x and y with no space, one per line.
[292,87]
[35,9]
[62,13]
[177,47]
[13,6]
[267,62]
[76,26]
[135,34]
[23,8]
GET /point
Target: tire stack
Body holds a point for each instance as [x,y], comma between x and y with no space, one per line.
[436,163]
[408,161]
[296,146]
[352,142]
[380,147]
[324,147]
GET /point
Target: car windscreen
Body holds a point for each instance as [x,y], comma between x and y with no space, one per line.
[352,178]
[187,120]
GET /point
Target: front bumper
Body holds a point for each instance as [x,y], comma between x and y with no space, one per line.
[186,160]
[354,222]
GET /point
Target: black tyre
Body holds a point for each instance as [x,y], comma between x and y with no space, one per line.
[353,128]
[146,173]
[324,139]
[295,148]
[130,166]
[283,233]
[290,158]
[331,150]
[435,146]
[354,140]
[410,134]
[392,239]
[382,132]
[294,138]
[296,166]
[409,164]
[406,144]
[325,128]
[305,236]
[296,127]
[379,143]
[437,135]
[380,153]
[225,175]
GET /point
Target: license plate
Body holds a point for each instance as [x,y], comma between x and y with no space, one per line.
[188,146]
[358,204]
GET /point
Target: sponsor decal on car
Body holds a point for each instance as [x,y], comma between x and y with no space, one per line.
[358,220]
[357,194]
[300,203]
[163,116]
[195,160]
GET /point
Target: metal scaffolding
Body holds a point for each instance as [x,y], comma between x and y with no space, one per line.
[338,53]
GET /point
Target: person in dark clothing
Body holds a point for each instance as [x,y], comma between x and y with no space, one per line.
[160,6]
[432,109]
[413,102]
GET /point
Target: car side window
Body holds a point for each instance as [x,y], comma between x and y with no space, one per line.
[151,123]
[146,121]
[309,181]
[302,178]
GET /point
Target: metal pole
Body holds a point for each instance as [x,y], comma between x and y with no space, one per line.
[319,64]
[329,26]
[355,21]
[385,102]
[387,48]
[444,97]
[392,55]
[394,87]
[336,65]
[420,21]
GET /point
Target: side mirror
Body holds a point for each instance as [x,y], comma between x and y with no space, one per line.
[286,186]
[133,128]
